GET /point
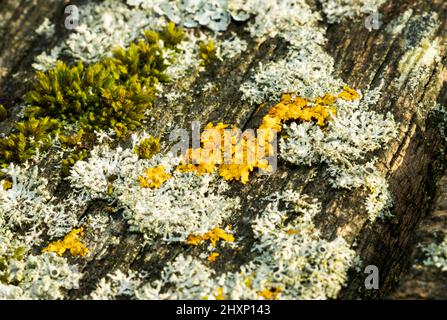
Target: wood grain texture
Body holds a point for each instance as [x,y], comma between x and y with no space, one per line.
[363,59]
[418,281]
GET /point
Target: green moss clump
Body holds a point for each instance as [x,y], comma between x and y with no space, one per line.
[28,136]
[3,113]
[72,140]
[171,36]
[112,93]
[207,52]
[147,148]
[96,97]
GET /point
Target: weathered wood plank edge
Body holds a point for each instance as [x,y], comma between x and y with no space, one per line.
[410,141]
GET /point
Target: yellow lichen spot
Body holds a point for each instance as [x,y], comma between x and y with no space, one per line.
[327,100]
[292,232]
[154,178]
[219,126]
[233,153]
[203,160]
[213,236]
[241,172]
[349,94]
[218,234]
[247,152]
[235,172]
[271,294]
[196,161]
[299,109]
[7,185]
[213,256]
[194,240]
[248,282]
[219,295]
[70,242]
[271,122]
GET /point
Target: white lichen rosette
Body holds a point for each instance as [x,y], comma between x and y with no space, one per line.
[183,205]
[288,257]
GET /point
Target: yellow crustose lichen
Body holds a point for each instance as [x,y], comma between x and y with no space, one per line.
[71,242]
[270,294]
[154,177]
[349,94]
[219,294]
[213,256]
[299,109]
[204,160]
[242,151]
[213,236]
[248,152]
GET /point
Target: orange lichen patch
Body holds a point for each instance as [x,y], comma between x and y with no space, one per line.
[271,122]
[203,160]
[213,236]
[197,161]
[154,178]
[292,232]
[318,113]
[70,242]
[235,154]
[271,294]
[198,169]
[349,94]
[218,234]
[220,126]
[301,109]
[241,172]
[213,256]
[298,109]
[194,240]
[248,153]
[327,100]
[219,295]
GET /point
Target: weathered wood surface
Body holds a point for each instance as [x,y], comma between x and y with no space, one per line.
[421,282]
[413,162]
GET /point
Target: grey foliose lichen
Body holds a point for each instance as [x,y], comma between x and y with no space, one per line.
[24,275]
[352,135]
[436,255]
[291,261]
[339,10]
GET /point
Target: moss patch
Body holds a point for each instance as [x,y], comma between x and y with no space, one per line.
[112,93]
